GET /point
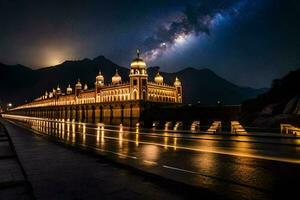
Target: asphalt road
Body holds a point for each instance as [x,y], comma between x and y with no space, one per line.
[250,166]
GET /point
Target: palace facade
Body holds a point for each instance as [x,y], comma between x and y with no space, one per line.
[118,94]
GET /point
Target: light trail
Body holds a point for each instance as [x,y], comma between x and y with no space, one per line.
[280,159]
[205,150]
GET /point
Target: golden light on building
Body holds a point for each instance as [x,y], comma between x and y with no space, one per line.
[159,79]
[138,63]
[99,79]
[119,94]
[69,89]
[116,79]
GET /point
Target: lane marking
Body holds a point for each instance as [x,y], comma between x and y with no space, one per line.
[182,170]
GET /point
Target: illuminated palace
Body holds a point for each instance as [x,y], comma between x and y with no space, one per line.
[115,102]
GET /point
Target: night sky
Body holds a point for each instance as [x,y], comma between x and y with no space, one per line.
[249,42]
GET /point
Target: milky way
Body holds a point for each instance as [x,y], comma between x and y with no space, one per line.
[196,19]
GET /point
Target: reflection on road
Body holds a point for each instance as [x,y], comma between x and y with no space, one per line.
[228,163]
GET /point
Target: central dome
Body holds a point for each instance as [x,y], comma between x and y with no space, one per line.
[138,63]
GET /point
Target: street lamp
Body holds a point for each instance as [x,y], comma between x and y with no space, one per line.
[9,105]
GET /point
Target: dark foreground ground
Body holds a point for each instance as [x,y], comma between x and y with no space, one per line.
[56,172]
[13,181]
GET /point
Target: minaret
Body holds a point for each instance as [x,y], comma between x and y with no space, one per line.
[78,88]
[138,79]
[99,83]
[69,89]
[58,90]
[178,86]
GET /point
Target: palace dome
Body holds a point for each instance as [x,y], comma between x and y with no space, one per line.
[58,90]
[159,78]
[116,78]
[69,89]
[177,82]
[100,77]
[78,84]
[138,63]
[85,87]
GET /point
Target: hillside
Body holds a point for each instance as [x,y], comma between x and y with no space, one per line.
[280,104]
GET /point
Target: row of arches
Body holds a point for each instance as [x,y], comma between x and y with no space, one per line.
[112,98]
[159,98]
[114,92]
[111,114]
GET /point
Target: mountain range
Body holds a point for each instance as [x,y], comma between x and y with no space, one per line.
[20,84]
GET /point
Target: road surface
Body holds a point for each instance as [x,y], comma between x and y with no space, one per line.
[246,166]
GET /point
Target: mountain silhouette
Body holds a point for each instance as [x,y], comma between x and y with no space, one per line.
[280,104]
[282,91]
[22,84]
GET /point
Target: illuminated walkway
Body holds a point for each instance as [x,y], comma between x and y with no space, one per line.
[57,172]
